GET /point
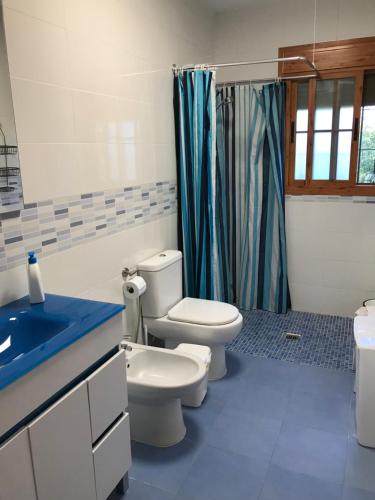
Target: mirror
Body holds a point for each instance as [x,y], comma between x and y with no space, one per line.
[11,199]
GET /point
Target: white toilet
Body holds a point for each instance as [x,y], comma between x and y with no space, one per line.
[194,321]
[158,379]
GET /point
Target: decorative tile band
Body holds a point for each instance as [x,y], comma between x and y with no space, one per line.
[327,198]
[51,226]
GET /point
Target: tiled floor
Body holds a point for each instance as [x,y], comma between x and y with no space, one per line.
[326,340]
[271,430]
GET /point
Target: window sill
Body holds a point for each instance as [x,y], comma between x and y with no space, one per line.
[330,190]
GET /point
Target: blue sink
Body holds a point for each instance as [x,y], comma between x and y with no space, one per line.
[31,334]
[23,331]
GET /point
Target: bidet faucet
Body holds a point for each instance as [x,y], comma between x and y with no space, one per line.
[126,347]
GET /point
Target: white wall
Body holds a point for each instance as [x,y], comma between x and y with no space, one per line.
[92,90]
[257,31]
[331,251]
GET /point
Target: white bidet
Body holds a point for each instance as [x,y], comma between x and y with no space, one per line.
[157,381]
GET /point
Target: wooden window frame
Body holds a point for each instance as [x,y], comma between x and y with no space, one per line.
[325,187]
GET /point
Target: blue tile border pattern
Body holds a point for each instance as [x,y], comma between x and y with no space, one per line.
[326,341]
[51,226]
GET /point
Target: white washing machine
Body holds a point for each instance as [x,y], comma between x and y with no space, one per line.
[364,335]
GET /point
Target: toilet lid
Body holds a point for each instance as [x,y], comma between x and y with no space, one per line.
[203,312]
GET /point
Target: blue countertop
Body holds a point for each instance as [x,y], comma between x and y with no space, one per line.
[31,334]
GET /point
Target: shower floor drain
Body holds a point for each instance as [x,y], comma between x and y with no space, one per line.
[293,336]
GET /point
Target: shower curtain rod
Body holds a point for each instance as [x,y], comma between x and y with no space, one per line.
[248,63]
[264,80]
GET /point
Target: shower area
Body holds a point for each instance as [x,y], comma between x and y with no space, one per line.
[230,164]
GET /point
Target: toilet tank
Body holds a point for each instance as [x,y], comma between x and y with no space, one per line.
[163,276]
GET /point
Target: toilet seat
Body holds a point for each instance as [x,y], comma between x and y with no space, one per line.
[203,312]
[193,333]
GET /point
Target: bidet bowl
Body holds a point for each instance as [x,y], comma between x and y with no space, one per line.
[162,373]
[157,381]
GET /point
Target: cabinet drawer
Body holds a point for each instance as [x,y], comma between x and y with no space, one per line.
[108,396]
[112,457]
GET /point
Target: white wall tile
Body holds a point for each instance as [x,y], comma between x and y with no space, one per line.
[49,171]
[36,50]
[44,113]
[305,297]
[98,118]
[92,89]
[320,254]
[52,11]
[165,155]
[94,65]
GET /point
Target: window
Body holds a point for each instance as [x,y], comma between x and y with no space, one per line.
[330,124]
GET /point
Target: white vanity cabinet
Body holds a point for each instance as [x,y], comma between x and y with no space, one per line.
[16,469]
[78,447]
[61,450]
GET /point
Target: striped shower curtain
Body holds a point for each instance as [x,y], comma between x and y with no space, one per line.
[195,126]
[250,196]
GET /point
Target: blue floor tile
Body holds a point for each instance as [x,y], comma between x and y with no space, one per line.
[313,452]
[327,413]
[198,421]
[237,364]
[220,390]
[248,435]
[277,375]
[141,491]
[352,416]
[277,413]
[164,468]
[360,467]
[324,382]
[282,484]
[221,475]
[254,398]
[357,494]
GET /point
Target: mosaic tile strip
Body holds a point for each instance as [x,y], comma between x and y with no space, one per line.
[327,341]
[338,199]
[50,226]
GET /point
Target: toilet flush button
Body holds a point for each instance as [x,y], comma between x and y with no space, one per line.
[162,255]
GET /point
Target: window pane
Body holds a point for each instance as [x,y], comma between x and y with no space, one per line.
[366,171]
[300,161]
[366,154]
[369,90]
[343,156]
[321,155]
[346,102]
[302,107]
[324,104]
[346,117]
